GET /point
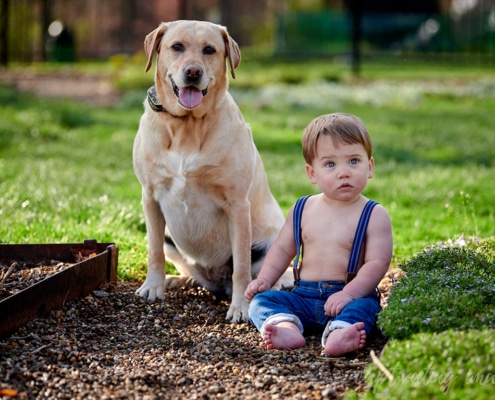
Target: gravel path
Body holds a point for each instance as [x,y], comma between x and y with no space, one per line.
[119,346]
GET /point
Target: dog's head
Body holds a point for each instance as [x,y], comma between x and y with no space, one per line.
[191,60]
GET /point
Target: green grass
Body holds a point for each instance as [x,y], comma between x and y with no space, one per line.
[433,153]
[66,175]
[66,168]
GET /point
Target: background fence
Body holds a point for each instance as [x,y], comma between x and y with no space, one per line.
[89,29]
[384,33]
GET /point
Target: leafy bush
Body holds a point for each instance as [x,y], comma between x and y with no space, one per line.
[447,365]
[445,287]
[440,317]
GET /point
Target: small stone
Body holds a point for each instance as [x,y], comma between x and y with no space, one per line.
[216,389]
[100,293]
[328,392]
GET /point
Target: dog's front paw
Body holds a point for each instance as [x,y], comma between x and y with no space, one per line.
[153,287]
[238,312]
[151,292]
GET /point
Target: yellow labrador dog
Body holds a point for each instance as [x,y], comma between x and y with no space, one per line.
[205,194]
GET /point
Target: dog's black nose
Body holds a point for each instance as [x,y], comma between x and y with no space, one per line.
[193,72]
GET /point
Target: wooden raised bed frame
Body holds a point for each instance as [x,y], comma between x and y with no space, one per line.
[55,290]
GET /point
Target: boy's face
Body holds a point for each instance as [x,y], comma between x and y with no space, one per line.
[340,170]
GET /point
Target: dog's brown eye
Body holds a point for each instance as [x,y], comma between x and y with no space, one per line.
[178,47]
[209,50]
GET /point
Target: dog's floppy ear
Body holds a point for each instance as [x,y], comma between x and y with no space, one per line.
[233,52]
[152,44]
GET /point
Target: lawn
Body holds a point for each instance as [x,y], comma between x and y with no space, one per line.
[66,168]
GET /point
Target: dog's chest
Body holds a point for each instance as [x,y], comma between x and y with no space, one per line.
[181,179]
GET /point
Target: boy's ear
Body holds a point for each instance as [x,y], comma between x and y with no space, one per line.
[311,173]
[371,168]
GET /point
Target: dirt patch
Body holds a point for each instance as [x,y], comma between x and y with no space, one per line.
[87,88]
[19,276]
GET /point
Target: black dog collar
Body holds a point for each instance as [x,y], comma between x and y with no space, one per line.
[153,100]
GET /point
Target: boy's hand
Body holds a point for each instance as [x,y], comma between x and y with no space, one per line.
[336,303]
[256,286]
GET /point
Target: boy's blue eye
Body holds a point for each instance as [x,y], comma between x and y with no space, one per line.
[330,164]
[354,161]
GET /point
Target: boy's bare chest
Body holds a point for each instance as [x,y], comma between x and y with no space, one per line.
[329,232]
[327,245]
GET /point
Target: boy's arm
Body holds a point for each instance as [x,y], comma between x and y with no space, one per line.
[377,257]
[278,258]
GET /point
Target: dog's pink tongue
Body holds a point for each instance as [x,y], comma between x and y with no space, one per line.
[190,97]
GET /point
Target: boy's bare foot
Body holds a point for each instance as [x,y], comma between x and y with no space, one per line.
[345,340]
[284,335]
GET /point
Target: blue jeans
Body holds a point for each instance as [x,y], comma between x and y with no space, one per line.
[303,305]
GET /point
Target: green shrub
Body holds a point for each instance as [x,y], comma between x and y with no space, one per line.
[447,365]
[440,317]
[444,288]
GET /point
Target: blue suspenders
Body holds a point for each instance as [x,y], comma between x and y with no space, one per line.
[357,244]
[298,208]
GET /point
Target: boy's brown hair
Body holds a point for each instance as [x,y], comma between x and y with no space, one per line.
[343,128]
